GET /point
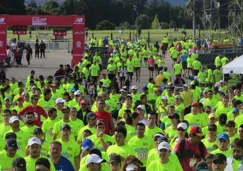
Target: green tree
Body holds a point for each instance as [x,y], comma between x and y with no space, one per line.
[105,25]
[32,4]
[143,22]
[12,7]
[164,25]
[72,7]
[51,7]
[155,22]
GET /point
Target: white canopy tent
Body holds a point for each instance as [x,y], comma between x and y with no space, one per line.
[234,67]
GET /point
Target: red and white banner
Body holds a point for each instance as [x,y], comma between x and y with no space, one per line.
[77,22]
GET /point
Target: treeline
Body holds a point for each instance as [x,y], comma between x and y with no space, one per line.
[107,14]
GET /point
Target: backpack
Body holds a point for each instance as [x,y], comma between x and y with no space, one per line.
[186,153]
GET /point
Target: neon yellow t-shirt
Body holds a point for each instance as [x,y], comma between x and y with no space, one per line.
[195,120]
[227,153]
[151,132]
[177,69]
[97,143]
[46,105]
[30,163]
[6,162]
[211,146]
[80,133]
[29,129]
[141,147]
[70,150]
[123,151]
[157,165]
[47,128]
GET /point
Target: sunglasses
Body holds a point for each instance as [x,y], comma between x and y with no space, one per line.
[180,129]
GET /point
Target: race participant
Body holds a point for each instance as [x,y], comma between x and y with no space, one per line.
[65,120]
[59,161]
[91,119]
[48,125]
[115,162]
[210,141]
[141,144]
[34,148]
[9,154]
[151,129]
[120,147]
[5,125]
[100,139]
[219,162]
[223,141]
[130,68]
[46,101]
[22,136]
[164,162]
[33,107]
[182,134]
[29,127]
[70,149]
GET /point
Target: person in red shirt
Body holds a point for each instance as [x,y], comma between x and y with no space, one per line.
[191,150]
[106,116]
[38,110]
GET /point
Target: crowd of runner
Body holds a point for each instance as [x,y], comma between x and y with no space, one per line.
[94,118]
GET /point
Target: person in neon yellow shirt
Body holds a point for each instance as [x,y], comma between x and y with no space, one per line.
[91,117]
[22,136]
[34,148]
[73,117]
[210,141]
[151,128]
[224,108]
[120,147]
[9,155]
[231,130]
[19,106]
[29,127]
[48,124]
[65,120]
[70,149]
[164,162]
[100,139]
[224,141]
[5,126]
[141,144]
[46,102]
[178,68]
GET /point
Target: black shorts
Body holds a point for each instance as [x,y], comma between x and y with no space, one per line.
[160,68]
[195,72]
[156,66]
[137,68]
[145,59]
[184,65]
[151,68]
[174,59]
[130,73]
[94,78]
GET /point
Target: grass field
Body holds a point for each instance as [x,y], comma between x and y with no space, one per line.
[155,35]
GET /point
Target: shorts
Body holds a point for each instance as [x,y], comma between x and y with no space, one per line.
[160,68]
[174,59]
[156,66]
[195,72]
[137,68]
[130,73]
[94,78]
[184,65]
[145,59]
[151,68]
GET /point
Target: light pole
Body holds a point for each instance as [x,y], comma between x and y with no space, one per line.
[193,19]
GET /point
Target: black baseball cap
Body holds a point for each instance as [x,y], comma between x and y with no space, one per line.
[219,158]
[19,164]
[115,158]
[91,115]
[202,166]
[212,127]
[38,131]
[10,135]
[12,144]
[66,126]
[174,116]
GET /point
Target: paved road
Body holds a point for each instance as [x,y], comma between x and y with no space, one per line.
[50,64]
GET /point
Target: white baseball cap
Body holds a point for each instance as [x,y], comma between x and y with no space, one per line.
[60,100]
[131,167]
[94,158]
[13,119]
[134,87]
[164,145]
[182,125]
[77,93]
[34,140]
[141,107]
[163,98]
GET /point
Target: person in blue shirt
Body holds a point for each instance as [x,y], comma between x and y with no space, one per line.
[61,163]
[184,57]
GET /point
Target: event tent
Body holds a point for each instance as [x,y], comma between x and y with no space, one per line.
[234,67]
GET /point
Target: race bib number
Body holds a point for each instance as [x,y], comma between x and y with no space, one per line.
[142,155]
[193,161]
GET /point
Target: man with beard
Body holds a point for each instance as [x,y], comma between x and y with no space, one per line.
[29,118]
[235,161]
[34,148]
